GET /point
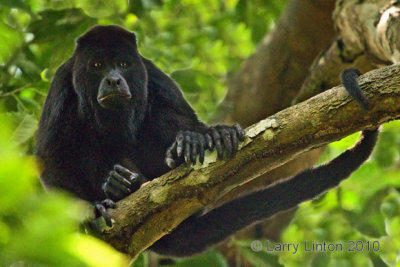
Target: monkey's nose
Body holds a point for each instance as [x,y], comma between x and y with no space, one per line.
[113,81]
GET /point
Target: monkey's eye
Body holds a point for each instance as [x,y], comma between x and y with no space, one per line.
[97,65]
[123,64]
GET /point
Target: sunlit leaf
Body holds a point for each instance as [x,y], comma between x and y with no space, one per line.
[210,258]
[10,41]
[26,126]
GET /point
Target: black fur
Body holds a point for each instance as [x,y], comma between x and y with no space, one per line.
[349,80]
[80,141]
[112,120]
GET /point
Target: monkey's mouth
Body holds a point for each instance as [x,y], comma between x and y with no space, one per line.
[113,100]
[114,95]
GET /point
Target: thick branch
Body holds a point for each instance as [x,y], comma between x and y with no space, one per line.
[368,37]
[371,26]
[157,208]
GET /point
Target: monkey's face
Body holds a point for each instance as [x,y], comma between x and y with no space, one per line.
[113,90]
[108,71]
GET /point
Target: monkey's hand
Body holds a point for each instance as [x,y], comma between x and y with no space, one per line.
[226,137]
[101,209]
[192,144]
[120,183]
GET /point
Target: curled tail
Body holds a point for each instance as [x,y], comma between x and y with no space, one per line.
[349,81]
[199,232]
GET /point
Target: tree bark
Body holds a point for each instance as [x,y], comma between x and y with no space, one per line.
[157,208]
[368,38]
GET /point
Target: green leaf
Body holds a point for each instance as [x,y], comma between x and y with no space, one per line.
[320,260]
[59,26]
[10,41]
[26,126]
[386,151]
[187,80]
[21,4]
[257,258]
[141,261]
[210,258]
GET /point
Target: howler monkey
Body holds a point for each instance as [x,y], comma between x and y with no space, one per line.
[112,120]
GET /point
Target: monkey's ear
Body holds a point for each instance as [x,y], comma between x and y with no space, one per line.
[105,34]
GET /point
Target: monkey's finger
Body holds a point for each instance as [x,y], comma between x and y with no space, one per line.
[108,203]
[240,132]
[217,141]
[193,154]
[210,142]
[114,193]
[120,179]
[202,144]
[170,162]
[122,170]
[169,158]
[226,139]
[188,142]
[109,190]
[106,185]
[104,214]
[195,144]
[234,138]
[180,140]
[120,183]
[137,180]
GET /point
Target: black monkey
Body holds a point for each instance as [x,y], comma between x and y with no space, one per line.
[110,118]
[108,124]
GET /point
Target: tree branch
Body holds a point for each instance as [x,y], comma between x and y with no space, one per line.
[370,27]
[368,37]
[158,207]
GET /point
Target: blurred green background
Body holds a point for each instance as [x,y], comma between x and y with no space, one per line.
[200,44]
